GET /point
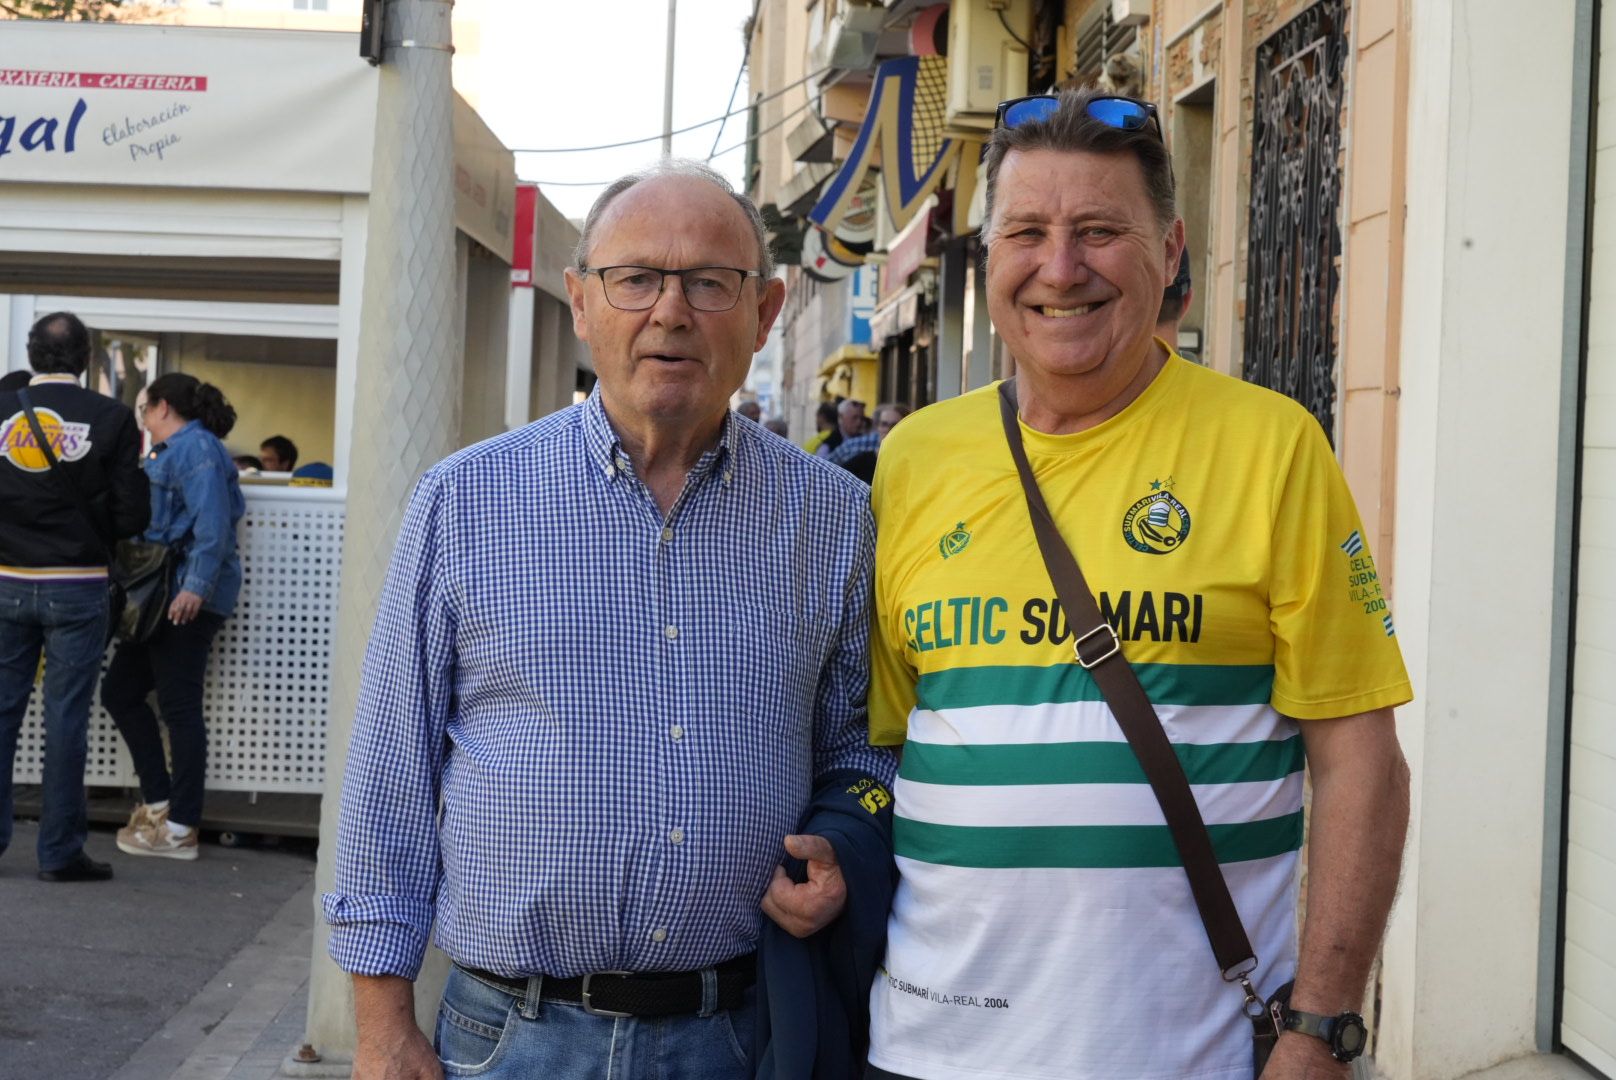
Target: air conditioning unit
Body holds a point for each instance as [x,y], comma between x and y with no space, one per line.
[987,59]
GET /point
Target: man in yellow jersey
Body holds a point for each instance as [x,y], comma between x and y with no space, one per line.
[1043,925]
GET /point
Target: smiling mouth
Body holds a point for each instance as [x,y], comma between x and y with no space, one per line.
[1067,313]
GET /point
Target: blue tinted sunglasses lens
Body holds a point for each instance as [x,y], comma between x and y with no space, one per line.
[1117,113]
[1030,111]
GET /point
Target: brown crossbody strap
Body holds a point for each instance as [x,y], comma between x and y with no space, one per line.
[1099,651]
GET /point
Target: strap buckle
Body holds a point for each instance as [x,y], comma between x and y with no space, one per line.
[1115,647]
[585,1001]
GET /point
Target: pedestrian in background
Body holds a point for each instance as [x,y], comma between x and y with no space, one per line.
[605,686]
[53,574]
[850,422]
[858,454]
[824,426]
[196,503]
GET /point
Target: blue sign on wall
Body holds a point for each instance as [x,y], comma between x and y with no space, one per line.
[861,305]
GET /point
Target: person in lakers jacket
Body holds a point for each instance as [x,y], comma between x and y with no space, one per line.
[53,572]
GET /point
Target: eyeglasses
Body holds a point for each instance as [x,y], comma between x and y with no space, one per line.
[1122,113]
[706,288]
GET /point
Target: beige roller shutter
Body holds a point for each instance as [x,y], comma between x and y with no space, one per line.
[1588,1017]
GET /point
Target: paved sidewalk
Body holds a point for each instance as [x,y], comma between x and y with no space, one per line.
[248,1017]
[130,977]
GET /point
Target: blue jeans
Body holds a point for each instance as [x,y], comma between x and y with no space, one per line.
[487,1032]
[68,620]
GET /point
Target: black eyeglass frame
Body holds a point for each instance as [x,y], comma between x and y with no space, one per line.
[662,283]
[1152,113]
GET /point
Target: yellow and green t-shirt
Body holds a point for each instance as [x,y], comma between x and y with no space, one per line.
[1043,925]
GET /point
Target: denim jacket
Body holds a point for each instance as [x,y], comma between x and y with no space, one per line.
[196,503]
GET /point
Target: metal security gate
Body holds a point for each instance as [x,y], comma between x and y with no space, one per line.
[1294,239]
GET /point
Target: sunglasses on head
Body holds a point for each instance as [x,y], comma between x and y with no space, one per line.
[1122,113]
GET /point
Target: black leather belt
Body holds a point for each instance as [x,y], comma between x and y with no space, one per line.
[623,993]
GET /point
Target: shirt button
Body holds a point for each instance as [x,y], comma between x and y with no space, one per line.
[726,476]
[677,836]
[677,732]
[659,934]
[667,534]
[671,632]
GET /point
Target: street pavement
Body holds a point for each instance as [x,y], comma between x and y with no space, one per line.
[171,969]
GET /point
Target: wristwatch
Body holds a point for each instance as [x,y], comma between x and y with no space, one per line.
[1345,1034]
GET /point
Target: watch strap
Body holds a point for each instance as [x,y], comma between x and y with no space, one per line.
[1306,1023]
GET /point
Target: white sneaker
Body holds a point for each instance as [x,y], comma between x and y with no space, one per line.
[155,839]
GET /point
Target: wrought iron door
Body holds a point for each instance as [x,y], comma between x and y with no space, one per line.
[1294,240]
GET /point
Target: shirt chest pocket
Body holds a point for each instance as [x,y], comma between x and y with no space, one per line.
[767,665]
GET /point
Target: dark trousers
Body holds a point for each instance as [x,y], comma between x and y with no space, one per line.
[872,1073]
[173,663]
[68,621]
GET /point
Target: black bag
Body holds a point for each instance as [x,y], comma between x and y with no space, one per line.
[144,571]
[140,573]
[1140,725]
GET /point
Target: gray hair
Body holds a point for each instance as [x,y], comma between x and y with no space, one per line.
[675,167]
[1070,129]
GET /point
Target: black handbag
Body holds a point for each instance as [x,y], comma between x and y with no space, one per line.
[144,570]
[1099,651]
[140,573]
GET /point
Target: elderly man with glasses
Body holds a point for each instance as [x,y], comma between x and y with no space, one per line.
[1048,920]
[620,655]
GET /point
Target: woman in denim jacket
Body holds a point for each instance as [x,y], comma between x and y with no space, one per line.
[196,503]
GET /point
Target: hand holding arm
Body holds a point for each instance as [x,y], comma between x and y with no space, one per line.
[806,908]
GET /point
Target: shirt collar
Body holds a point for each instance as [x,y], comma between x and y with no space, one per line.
[605,450]
[54,377]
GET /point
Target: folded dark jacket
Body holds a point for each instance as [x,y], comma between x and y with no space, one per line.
[813,1015]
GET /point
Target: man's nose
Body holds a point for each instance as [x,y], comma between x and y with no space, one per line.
[671,307]
[1064,262]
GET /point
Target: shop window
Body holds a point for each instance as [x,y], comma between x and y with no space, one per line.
[277,385]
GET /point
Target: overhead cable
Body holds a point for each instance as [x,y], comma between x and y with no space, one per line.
[727,150]
[746,54]
[658,136]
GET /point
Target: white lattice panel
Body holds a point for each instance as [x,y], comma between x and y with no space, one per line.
[268,689]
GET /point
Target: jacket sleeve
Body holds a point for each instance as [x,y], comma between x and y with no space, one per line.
[213,533]
[130,492]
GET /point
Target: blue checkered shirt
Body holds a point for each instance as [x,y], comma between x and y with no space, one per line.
[583,729]
[852,448]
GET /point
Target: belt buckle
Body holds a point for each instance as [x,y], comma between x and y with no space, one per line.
[583,996]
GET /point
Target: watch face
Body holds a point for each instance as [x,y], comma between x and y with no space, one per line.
[1350,1037]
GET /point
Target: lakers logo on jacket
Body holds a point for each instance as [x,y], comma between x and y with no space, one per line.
[69,440]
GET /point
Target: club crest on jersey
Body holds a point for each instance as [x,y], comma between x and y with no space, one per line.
[69,441]
[954,541]
[1158,523]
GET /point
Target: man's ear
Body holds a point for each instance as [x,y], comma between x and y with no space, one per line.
[769,305]
[1174,245]
[575,299]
